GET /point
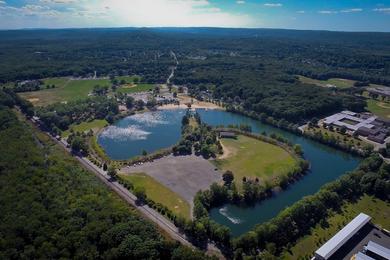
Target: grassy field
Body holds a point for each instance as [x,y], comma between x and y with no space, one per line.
[379,108]
[340,83]
[128,79]
[66,90]
[159,193]
[379,211]
[129,89]
[95,125]
[249,157]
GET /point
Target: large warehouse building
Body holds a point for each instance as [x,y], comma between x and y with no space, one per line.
[338,240]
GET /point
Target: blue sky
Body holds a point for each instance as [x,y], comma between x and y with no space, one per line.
[339,15]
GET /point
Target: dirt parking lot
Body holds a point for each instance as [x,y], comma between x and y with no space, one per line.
[185,175]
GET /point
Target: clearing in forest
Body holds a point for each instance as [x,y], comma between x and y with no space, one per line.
[379,108]
[249,157]
[65,90]
[340,83]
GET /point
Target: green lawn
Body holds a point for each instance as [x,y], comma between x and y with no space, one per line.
[249,157]
[137,88]
[66,90]
[159,193]
[340,83]
[379,108]
[95,125]
[379,211]
[128,79]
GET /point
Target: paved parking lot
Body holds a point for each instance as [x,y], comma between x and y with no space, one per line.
[185,175]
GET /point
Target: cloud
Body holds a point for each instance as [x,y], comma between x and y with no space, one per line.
[137,13]
[240,2]
[385,10]
[352,10]
[2,2]
[301,12]
[273,4]
[327,12]
[165,13]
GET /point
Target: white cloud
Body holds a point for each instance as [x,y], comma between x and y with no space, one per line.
[352,10]
[240,2]
[273,4]
[138,13]
[327,12]
[301,12]
[2,2]
[385,10]
[165,13]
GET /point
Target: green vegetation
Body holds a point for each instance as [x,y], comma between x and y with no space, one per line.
[59,117]
[248,157]
[128,79]
[379,108]
[197,137]
[83,127]
[159,193]
[281,233]
[70,90]
[378,209]
[129,88]
[52,208]
[340,83]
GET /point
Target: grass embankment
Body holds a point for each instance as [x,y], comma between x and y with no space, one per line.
[134,88]
[379,108]
[340,83]
[128,79]
[95,125]
[379,211]
[65,90]
[159,193]
[248,157]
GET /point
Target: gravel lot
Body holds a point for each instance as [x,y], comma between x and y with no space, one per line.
[185,175]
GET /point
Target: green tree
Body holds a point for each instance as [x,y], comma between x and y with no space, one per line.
[112,172]
[228,178]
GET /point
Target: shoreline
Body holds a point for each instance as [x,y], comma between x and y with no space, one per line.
[210,106]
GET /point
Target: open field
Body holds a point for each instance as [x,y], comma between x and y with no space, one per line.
[248,157]
[66,90]
[128,79]
[159,193]
[95,125]
[379,211]
[135,88]
[184,175]
[379,108]
[340,83]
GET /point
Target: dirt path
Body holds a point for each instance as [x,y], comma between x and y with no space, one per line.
[226,152]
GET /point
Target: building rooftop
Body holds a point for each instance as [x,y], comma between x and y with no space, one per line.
[378,250]
[338,240]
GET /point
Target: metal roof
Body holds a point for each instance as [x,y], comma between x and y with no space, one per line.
[378,250]
[338,240]
[361,256]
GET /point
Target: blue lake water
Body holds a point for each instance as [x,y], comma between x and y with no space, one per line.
[155,130]
[149,131]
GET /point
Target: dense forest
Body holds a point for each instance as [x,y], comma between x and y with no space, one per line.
[52,208]
[255,69]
